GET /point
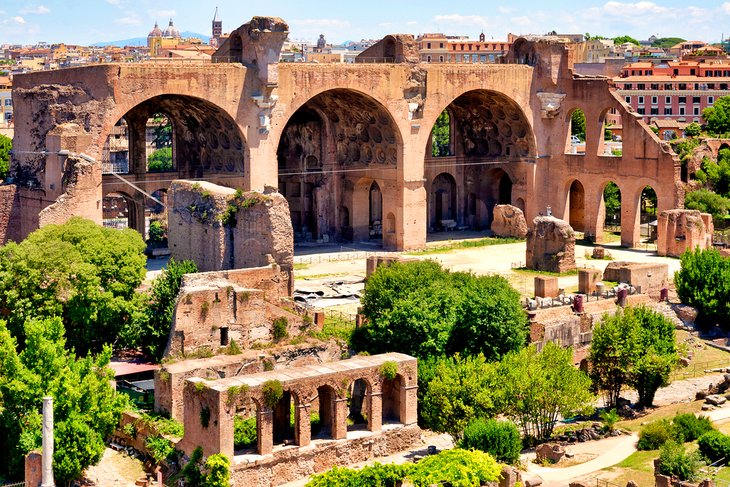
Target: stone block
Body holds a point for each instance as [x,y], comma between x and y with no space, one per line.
[587,279]
[550,245]
[679,230]
[546,286]
[509,221]
[550,452]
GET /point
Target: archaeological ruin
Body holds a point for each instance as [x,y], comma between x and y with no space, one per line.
[348,147]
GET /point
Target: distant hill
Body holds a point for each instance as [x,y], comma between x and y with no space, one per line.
[142,41]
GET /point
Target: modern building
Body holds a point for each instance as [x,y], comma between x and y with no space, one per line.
[674,90]
[6,102]
[439,48]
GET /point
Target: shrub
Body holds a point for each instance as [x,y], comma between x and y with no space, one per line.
[655,434]
[219,474]
[280,328]
[244,433]
[610,417]
[273,391]
[703,282]
[714,446]
[676,462]
[191,471]
[389,370]
[690,427]
[158,447]
[501,439]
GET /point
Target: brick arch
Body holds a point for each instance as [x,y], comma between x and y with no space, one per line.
[507,117]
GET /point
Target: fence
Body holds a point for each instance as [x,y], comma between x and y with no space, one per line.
[16,484]
[339,315]
[698,369]
[605,483]
[343,254]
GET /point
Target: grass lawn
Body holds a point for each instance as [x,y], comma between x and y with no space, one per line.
[465,244]
[661,413]
[638,467]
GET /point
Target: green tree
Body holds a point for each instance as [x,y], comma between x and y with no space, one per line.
[80,271]
[86,408]
[676,461]
[6,144]
[635,347]
[693,130]
[703,281]
[624,39]
[441,136]
[162,131]
[218,474]
[501,439]
[717,117]
[160,160]
[461,389]
[538,388]
[707,201]
[666,42]
[578,124]
[154,328]
[420,309]
[612,198]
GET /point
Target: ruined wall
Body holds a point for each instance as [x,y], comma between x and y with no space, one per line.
[220,228]
[214,309]
[393,48]
[681,230]
[550,245]
[9,214]
[170,378]
[647,278]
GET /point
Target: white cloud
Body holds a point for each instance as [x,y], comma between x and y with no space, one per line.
[18,20]
[39,10]
[162,14]
[130,18]
[462,20]
[522,21]
[114,2]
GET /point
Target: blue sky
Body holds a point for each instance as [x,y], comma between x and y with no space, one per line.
[89,21]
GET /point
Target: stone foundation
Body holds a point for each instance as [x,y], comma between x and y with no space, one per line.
[647,278]
[292,463]
[509,221]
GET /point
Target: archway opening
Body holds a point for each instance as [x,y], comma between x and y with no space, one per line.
[441,143]
[576,206]
[158,141]
[648,213]
[284,420]
[576,140]
[245,429]
[487,139]
[442,204]
[118,209]
[156,219]
[389,49]
[376,212]
[612,204]
[330,152]
[610,144]
[235,50]
[115,156]
[358,405]
[325,405]
[391,397]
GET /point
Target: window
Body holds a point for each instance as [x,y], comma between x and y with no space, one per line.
[710,86]
[682,99]
[695,99]
[655,86]
[628,99]
[441,59]
[441,45]
[641,100]
[696,111]
[667,110]
[692,72]
[640,110]
[654,111]
[628,86]
[428,59]
[641,86]
[668,86]
[710,100]
[682,86]
[428,45]
[676,72]
[8,102]
[667,100]
[681,110]
[654,100]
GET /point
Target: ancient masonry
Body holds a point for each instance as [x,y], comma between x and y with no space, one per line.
[347,147]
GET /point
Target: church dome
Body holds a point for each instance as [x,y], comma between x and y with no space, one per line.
[171,31]
[156,32]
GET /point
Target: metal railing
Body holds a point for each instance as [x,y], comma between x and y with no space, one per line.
[605,483]
[698,369]
[339,315]
[16,484]
[343,255]
[108,167]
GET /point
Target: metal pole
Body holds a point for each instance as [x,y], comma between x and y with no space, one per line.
[47,478]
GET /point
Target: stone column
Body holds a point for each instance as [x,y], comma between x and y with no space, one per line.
[47,442]
[265,431]
[339,422]
[630,230]
[375,416]
[302,425]
[408,403]
[594,214]
[137,133]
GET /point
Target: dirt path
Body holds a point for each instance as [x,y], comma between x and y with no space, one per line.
[115,470]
